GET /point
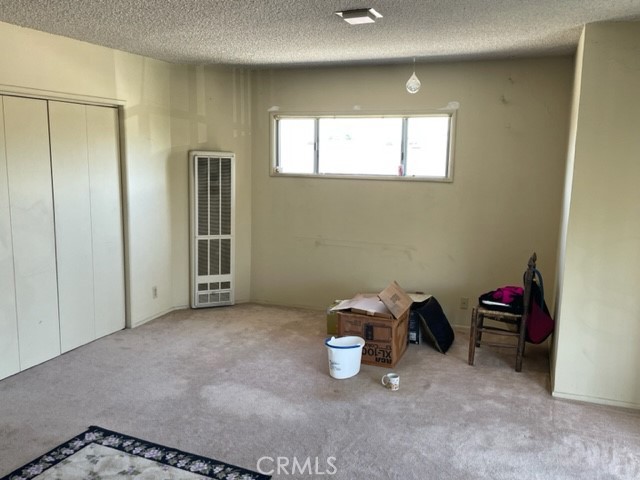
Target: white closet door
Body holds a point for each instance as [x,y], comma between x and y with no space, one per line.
[106,219]
[9,354]
[71,190]
[30,200]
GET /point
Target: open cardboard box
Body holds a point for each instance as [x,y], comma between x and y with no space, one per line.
[382,320]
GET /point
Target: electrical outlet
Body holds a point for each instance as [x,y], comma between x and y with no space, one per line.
[464,303]
[154,291]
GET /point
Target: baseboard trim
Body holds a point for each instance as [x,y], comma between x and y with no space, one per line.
[169,310]
[268,303]
[158,315]
[597,400]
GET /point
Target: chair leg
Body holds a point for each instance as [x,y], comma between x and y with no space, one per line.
[479,327]
[472,336]
[521,343]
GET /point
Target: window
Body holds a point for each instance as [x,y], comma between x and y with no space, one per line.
[414,147]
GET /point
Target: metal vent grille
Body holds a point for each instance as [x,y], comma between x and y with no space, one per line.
[203,255]
[214,196]
[212,228]
[225,196]
[203,210]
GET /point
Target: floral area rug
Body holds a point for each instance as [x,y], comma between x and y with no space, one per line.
[102,454]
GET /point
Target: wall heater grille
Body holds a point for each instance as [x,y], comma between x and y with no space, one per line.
[212,228]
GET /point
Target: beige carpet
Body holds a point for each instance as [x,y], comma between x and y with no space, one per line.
[246,382]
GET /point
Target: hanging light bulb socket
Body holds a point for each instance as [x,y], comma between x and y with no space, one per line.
[413,84]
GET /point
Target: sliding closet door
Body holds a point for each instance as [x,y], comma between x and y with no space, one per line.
[106,218]
[31,205]
[86,185]
[70,167]
[9,354]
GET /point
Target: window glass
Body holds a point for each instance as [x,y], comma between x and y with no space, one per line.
[427,146]
[390,146]
[364,146]
[296,138]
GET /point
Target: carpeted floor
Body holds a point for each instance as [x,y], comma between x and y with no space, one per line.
[246,382]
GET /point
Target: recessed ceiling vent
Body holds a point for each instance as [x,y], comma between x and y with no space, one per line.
[359,16]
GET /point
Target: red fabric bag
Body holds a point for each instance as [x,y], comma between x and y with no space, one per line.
[539,324]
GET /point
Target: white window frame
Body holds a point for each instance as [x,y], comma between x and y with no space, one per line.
[448,178]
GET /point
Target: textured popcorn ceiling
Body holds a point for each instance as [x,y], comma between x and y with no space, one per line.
[295,32]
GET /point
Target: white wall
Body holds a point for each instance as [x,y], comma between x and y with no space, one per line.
[167,110]
[315,240]
[597,354]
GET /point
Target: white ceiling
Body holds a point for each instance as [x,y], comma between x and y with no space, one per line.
[306,32]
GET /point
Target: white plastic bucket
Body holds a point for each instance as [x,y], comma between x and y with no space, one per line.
[345,354]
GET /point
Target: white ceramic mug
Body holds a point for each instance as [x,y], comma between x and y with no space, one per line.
[391,381]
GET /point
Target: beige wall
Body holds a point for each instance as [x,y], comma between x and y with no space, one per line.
[315,240]
[597,354]
[167,110]
[308,241]
[210,111]
[566,199]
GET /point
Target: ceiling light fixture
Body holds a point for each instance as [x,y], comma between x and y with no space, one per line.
[413,84]
[359,16]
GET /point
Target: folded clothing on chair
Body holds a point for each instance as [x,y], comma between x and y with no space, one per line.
[504,299]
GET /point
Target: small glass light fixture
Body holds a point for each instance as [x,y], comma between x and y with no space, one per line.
[359,16]
[413,84]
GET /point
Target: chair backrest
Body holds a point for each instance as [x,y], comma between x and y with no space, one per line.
[528,280]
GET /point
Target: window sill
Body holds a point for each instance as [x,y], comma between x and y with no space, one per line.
[364,177]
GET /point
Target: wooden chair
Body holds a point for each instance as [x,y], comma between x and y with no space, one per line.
[516,324]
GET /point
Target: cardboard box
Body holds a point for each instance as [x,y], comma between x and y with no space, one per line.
[332,319]
[382,321]
[332,312]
